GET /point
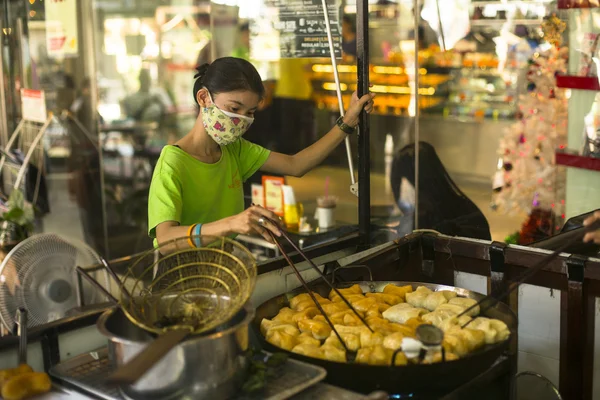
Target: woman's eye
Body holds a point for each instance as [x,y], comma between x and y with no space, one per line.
[233,109]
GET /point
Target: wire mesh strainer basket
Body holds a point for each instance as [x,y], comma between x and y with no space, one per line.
[176,287]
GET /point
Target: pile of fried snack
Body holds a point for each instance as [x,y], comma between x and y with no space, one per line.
[22,382]
[392,316]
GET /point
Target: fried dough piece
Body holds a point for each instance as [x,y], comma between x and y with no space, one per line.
[333,308]
[308,313]
[308,339]
[351,341]
[306,297]
[320,330]
[284,316]
[399,291]
[400,313]
[333,353]
[437,357]
[287,328]
[393,341]
[281,340]
[379,355]
[418,297]
[414,323]
[465,303]
[390,299]
[369,339]
[434,300]
[354,289]
[308,350]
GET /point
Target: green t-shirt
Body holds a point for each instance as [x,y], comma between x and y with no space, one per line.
[188,191]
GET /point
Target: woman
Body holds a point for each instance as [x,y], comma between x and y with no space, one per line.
[593,236]
[442,205]
[196,187]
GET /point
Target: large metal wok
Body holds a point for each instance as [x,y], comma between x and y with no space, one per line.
[409,379]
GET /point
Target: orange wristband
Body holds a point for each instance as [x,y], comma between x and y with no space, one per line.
[189,236]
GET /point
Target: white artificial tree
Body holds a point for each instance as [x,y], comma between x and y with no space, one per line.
[527,176]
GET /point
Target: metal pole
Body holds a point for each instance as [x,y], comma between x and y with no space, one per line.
[417,112]
[88,46]
[336,77]
[364,160]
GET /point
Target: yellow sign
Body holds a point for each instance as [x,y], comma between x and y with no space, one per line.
[61,28]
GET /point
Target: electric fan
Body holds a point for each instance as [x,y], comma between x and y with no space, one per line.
[39,275]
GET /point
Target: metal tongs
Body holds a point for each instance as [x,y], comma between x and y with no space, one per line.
[305,285]
[570,238]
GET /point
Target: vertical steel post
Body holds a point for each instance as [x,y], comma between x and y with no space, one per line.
[364,133]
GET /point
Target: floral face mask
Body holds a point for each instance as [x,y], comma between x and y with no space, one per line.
[224,127]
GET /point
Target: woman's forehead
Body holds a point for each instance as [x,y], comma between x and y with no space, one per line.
[243,97]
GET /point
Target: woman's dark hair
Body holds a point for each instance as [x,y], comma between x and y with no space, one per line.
[442,205]
[350,21]
[228,74]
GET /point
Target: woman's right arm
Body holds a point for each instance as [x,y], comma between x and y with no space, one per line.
[245,222]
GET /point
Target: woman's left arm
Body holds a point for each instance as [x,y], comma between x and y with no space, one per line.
[305,160]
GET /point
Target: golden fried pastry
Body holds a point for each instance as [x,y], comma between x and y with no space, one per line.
[281,340]
[437,357]
[434,300]
[303,305]
[350,298]
[368,338]
[393,341]
[265,324]
[285,316]
[354,289]
[390,299]
[287,328]
[308,313]
[379,355]
[308,350]
[400,313]
[333,353]
[418,297]
[332,308]
[351,319]
[307,338]
[306,297]
[320,330]
[414,323]
[495,330]
[502,330]
[399,291]
[455,344]
[451,309]
[373,311]
[465,303]
[471,339]
[453,322]
[351,341]
[404,329]
[363,304]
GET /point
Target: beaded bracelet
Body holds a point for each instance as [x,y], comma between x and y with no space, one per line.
[189,236]
[197,229]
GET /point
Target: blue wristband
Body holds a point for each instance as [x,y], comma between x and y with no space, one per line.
[197,240]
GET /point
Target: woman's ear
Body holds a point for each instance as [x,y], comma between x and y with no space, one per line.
[203,98]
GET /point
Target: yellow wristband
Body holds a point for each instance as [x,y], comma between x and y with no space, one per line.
[189,236]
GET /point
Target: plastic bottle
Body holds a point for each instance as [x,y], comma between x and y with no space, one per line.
[389,156]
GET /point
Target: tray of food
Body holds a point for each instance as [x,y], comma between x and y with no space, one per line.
[374,358]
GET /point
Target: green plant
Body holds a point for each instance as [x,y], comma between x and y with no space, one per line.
[19,211]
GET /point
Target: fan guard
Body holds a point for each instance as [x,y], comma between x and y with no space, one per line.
[39,274]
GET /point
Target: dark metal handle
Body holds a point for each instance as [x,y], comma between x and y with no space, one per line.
[96,284]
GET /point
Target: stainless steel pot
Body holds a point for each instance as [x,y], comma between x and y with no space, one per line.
[207,366]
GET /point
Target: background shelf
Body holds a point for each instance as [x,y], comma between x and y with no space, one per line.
[578,82]
[574,160]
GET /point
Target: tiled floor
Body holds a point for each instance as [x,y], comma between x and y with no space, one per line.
[312,185]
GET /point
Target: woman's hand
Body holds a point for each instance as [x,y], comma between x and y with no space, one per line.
[595,235]
[356,107]
[249,221]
